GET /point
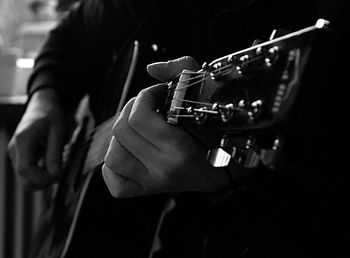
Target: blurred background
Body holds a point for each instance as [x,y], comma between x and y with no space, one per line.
[24,25]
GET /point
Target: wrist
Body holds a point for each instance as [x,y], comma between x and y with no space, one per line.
[45,96]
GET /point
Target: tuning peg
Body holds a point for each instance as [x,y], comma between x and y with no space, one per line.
[226,112]
[242,63]
[278,33]
[258,50]
[200,115]
[246,157]
[256,42]
[218,157]
[256,109]
[274,158]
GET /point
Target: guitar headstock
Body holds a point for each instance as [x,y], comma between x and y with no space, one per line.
[246,95]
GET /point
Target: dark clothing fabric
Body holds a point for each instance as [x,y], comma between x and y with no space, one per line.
[286,214]
[78,53]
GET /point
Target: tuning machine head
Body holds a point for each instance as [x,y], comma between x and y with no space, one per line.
[274,157]
[271,55]
[242,63]
[245,156]
[247,153]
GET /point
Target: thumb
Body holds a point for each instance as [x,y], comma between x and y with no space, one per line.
[164,71]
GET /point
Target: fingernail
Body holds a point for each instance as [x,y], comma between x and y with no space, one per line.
[155,65]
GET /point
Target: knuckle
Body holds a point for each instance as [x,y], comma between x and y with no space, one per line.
[190,62]
[116,128]
[135,122]
[113,189]
[108,161]
[142,93]
[111,159]
[119,124]
[188,58]
[116,125]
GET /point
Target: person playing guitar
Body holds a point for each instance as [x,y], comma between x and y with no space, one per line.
[173,198]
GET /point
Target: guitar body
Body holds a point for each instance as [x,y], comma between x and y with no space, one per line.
[247,96]
[83,156]
[60,216]
[247,101]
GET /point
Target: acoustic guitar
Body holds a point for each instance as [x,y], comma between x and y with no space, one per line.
[245,98]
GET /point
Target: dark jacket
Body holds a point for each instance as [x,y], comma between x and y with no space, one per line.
[277,215]
[80,51]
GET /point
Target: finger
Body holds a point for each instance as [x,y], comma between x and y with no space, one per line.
[152,125]
[25,162]
[54,149]
[123,163]
[11,150]
[119,186]
[139,147]
[164,71]
[34,178]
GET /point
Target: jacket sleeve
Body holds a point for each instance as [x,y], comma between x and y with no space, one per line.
[78,51]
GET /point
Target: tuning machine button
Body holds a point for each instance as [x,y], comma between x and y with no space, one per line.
[274,157]
[255,109]
[242,63]
[225,112]
[200,115]
[246,157]
[271,55]
[246,111]
[221,68]
[218,157]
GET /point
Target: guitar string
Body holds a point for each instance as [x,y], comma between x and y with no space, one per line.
[190,85]
[207,77]
[194,102]
[86,140]
[200,75]
[202,80]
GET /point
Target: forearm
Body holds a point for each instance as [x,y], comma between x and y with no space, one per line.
[73,59]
